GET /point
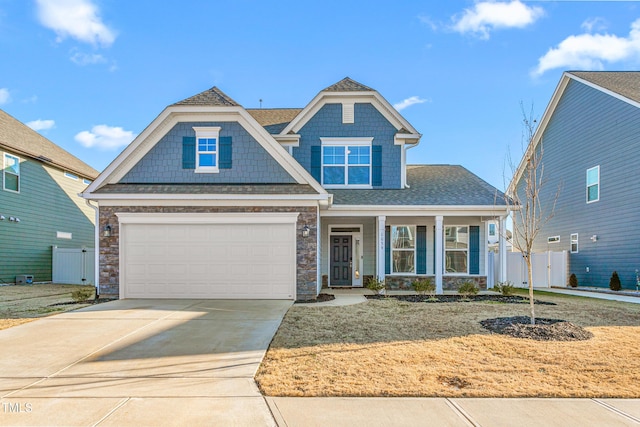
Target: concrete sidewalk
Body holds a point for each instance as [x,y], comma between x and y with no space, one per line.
[436,412]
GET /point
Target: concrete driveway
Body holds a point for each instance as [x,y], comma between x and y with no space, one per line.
[139,362]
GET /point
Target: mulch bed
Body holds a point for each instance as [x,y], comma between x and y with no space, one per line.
[319,298]
[507,299]
[543,330]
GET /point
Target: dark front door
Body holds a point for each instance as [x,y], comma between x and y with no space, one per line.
[340,264]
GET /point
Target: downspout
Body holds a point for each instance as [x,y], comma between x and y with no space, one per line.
[96,245]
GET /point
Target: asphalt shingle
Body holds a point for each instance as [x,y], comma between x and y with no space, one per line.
[211,97]
[348,85]
[625,83]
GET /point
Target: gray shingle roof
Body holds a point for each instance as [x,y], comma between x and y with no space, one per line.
[430,185]
[348,85]
[206,189]
[625,83]
[18,137]
[274,120]
[211,97]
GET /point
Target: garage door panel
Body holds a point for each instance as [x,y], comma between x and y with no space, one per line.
[209,260]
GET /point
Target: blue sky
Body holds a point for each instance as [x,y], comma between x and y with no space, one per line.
[92,74]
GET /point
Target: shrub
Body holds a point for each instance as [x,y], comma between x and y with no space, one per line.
[376,285]
[424,286]
[573,280]
[614,282]
[505,288]
[468,289]
[81,295]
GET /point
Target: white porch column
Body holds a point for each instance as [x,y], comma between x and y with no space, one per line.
[380,252]
[502,247]
[439,247]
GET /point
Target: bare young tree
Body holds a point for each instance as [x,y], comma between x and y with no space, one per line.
[530,214]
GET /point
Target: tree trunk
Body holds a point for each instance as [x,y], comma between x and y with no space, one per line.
[530,279]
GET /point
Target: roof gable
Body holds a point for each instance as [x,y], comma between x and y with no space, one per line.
[18,137]
[348,85]
[212,97]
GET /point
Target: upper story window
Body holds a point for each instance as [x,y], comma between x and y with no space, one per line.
[207,148]
[593,184]
[86,181]
[403,249]
[11,173]
[456,249]
[71,176]
[346,162]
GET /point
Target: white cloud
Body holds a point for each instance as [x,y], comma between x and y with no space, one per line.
[39,125]
[79,19]
[591,24]
[428,22]
[591,51]
[5,97]
[105,137]
[489,15]
[409,102]
[87,58]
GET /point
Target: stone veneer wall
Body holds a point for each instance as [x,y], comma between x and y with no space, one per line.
[449,283]
[306,274]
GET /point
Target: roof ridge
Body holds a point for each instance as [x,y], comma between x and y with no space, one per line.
[213,96]
[348,85]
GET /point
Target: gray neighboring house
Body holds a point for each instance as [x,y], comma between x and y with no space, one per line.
[39,203]
[590,134]
[213,200]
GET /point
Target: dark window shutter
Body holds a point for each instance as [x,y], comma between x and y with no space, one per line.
[421,249]
[474,249]
[188,152]
[316,162]
[387,250]
[376,165]
[225,154]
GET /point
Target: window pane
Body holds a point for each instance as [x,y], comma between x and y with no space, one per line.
[206,144]
[359,155]
[402,237]
[333,175]
[333,155]
[403,262]
[592,176]
[11,164]
[456,261]
[492,229]
[456,238]
[207,160]
[359,175]
[592,193]
[11,182]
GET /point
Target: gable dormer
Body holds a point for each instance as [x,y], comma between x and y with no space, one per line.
[349,136]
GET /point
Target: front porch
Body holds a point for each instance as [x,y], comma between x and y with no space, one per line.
[451,249]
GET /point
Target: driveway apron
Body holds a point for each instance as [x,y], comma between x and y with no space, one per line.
[140,362]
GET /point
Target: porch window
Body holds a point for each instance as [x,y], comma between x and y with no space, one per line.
[456,249]
[346,162]
[403,248]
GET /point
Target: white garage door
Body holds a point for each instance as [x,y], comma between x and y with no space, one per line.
[208,256]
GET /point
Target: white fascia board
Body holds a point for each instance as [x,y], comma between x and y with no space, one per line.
[172,196]
[346,210]
[406,138]
[323,98]
[288,140]
[208,218]
[176,114]
[210,203]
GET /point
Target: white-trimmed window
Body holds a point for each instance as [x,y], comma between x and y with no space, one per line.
[11,172]
[574,243]
[86,181]
[71,176]
[456,249]
[207,148]
[593,184]
[403,249]
[492,230]
[346,162]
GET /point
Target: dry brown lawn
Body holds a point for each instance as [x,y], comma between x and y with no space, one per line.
[393,348]
[25,303]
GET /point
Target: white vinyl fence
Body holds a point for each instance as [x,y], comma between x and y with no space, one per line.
[73,266]
[549,269]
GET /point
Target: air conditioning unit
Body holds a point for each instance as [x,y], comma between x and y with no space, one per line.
[24,279]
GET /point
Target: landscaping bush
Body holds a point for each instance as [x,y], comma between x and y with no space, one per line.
[573,280]
[468,289]
[614,282]
[376,285]
[424,286]
[81,295]
[505,288]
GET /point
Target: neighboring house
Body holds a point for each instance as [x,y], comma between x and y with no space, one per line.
[590,136]
[213,200]
[39,202]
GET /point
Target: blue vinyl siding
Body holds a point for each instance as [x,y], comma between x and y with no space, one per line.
[590,128]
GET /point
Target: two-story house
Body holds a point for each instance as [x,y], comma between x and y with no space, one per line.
[590,140]
[213,200]
[39,203]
